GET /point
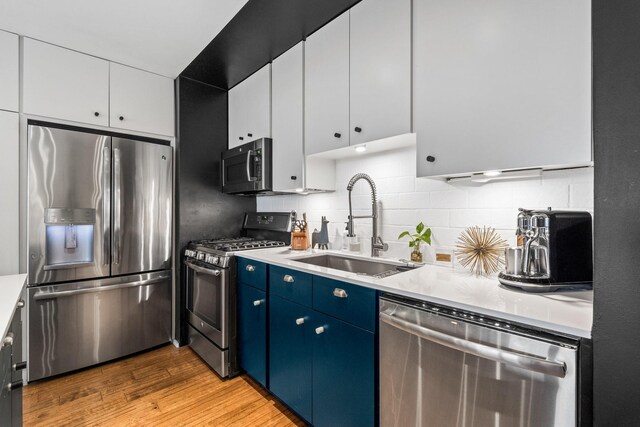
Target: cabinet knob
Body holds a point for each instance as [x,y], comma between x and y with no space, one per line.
[300,321]
[288,278]
[19,366]
[249,135]
[96,114]
[8,340]
[20,303]
[250,268]
[320,330]
[431,159]
[14,385]
[358,129]
[121,118]
[293,177]
[340,293]
[337,135]
[257,302]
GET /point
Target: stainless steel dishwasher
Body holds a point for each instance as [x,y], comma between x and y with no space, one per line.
[443,367]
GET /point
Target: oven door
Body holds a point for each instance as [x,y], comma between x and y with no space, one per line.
[208,301]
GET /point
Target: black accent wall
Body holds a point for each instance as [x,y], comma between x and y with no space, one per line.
[261,31]
[202,211]
[616,329]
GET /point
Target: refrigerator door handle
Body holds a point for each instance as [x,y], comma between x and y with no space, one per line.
[543,366]
[117,205]
[42,295]
[106,203]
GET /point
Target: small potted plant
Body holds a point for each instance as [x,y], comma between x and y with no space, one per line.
[422,234]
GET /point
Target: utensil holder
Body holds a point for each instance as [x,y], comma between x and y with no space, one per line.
[299,241]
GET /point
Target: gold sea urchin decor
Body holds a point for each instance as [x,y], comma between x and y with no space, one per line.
[481,250]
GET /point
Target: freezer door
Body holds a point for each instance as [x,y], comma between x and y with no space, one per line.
[69,205]
[75,325]
[142,200]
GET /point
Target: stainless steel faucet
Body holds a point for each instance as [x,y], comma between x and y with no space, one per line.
[377,245]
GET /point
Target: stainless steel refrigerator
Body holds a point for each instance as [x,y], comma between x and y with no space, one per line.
[99,248]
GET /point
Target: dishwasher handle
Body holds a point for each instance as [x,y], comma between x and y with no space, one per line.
[544,366]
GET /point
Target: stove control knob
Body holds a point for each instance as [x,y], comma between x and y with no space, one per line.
[200,256]
[190,253]
[215,260]
[209,259]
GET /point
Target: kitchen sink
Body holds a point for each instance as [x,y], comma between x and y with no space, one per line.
[365,267]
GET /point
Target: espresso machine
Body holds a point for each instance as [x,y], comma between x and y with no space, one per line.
[554,252]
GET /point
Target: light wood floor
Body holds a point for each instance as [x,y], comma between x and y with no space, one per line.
[165,387]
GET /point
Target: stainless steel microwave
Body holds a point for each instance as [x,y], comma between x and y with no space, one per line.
[246,169]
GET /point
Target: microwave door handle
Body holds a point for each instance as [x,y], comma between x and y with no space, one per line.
[249,177]
[536,364]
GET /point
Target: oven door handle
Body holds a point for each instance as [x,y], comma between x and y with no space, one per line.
[202,269]
[536,364]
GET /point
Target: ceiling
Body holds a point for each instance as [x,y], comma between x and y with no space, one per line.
[162,36]
[261,31]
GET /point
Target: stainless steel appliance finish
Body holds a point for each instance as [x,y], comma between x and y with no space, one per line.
[79,324]
[99,206]
[375,268]
[246,169]
[377,245]
[142,206]
[210,268]
[443,367]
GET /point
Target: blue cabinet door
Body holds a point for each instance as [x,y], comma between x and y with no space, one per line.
[252,332]
[290,354]
[343,374]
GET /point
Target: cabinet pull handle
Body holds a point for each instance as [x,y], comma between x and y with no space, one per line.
[337,135]
[20,303]
[300,321]
[320,330]
[19,366]
[121,118]
[250,268]
[340,293]
[257,302]
[293,177]
[249,135]
[97,114]
[241,138]
[358,129]
[14,385]
[288,278]
[8,340]
[431,159]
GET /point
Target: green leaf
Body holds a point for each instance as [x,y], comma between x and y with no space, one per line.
[426,239]
[404,233]
[412,243]
[419,228]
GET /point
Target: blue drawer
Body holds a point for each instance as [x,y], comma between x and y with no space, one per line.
[352,303]
[290,284]
[252,273]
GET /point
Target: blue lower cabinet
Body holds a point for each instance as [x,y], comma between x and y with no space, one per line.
[290,354]
[343,374]
[252,332]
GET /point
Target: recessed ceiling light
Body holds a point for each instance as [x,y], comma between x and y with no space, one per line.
[361,148]
[492,173]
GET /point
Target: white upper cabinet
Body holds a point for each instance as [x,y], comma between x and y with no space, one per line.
[501,85]
[250,108]
[9,71]
[327,87]
[287,108]
[380,70]
[141,101]
[9,175]
[64,84]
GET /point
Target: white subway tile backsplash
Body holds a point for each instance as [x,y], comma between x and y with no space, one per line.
[446,208]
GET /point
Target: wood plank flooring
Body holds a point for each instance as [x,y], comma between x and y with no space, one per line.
[167,386]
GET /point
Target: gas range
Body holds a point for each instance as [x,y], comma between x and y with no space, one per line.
[216,252]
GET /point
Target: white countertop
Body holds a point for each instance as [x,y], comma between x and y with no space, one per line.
[10,292]
[567,312]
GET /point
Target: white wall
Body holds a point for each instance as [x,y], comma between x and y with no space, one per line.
[446,208]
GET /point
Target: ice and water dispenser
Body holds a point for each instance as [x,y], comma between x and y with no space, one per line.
[69,237]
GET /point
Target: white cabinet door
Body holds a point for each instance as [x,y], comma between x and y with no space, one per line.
[501,85]
[64,84]
[9,214]
[250,108]
[380,70]
[141,101]
[237,116]
[287,126]
[327,87]
[9,77]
